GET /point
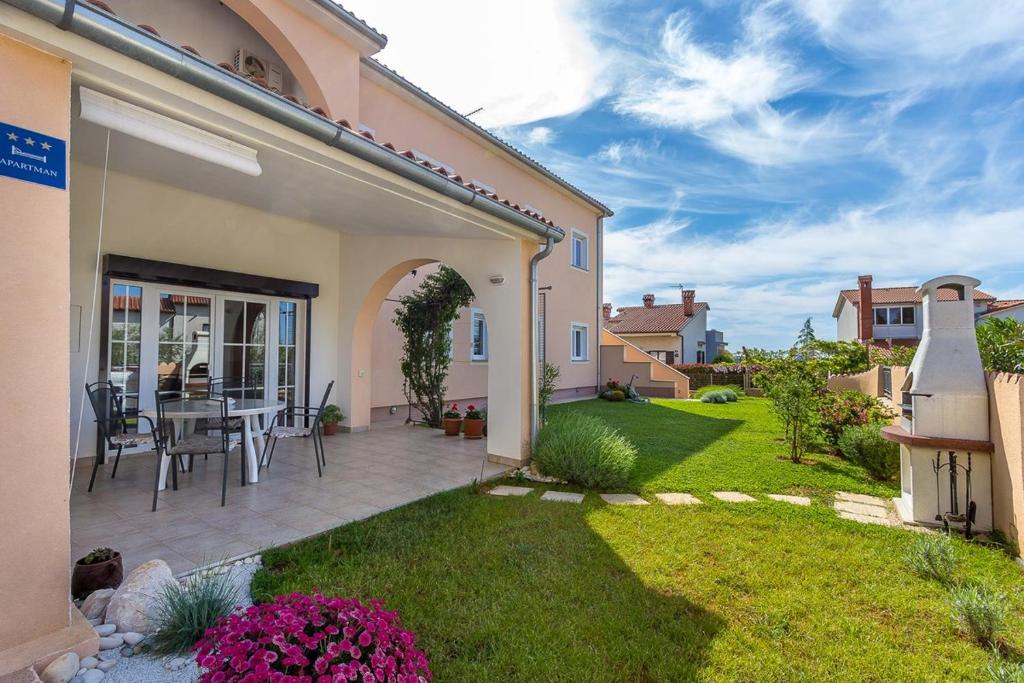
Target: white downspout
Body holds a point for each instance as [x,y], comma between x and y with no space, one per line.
[534,342]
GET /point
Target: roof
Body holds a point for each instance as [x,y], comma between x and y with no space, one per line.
[899,295]
[1003,305]
[342,123]
[353,21]
[419,92]
[668,318]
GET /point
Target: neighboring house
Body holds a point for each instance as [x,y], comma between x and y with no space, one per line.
[715,344]
[888,313]
[672,333]
[1008,308]
[255,185]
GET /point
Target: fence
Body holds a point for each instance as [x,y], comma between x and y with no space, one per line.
[702,375]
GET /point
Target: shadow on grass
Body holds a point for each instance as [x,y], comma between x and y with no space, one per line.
[504,590]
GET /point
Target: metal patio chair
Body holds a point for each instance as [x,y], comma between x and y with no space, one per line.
[276,431]
[112,422]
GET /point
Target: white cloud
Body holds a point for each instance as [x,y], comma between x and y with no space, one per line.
[521,62]
[767,138]
[540,135]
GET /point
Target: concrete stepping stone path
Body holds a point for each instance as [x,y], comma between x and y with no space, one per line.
[562,497]
[793,500]
[861,498]
[733,497]
[623,499]
[677,499]
[510,490]
[861,509]
[864,509]
[868,519]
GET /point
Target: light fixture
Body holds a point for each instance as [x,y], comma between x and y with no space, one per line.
[497,280]
[158,129]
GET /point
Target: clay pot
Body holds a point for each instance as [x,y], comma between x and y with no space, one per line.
[473,429]
[331,428]
[452,426]
[86,578]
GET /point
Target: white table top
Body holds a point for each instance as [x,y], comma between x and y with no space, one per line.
[191,408]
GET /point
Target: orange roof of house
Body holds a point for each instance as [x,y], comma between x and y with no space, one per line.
[657,318]
[1004,304]
[905,295]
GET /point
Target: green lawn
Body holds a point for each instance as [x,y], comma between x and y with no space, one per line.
[517,589]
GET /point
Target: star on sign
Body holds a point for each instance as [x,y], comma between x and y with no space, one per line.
[30,142]
[46,146]
[12,136]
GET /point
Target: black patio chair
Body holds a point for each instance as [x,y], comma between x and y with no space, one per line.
[197,444]
[229,387]
[276,430]
[112,422]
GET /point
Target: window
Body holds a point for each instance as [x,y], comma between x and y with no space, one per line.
[479,332]
[287,351]
[578,345]
[183,342]
[245,335]
[895,315]
[701,356]
[126,342]
[666,357]
[579,250]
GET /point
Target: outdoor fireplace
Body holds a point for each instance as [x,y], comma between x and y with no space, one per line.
[945,452]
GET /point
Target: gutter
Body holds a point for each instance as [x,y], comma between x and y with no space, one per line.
[535,342]
[111,32]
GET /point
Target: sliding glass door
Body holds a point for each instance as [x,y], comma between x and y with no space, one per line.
[244,346]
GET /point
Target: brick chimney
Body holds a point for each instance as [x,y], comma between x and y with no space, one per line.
[648,301]
[865,313]
[688,297]
[606,311]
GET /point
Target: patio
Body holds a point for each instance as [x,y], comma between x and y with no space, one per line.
[366,473]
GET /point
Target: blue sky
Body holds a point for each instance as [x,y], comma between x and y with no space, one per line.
[763,153]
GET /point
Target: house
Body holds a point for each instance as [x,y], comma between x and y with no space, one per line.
[195,189]
[1007,308]
[672,333]
[888,313]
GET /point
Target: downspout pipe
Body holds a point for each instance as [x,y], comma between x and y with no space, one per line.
[124,38]
[549,245]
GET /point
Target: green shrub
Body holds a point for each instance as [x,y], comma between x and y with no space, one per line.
[616,395]
[932,557]
[1001,671]
[714,397]
[865,446]
[583,450]
[185,610]
[978,612]
[849,409]
[734,388]
[730,395]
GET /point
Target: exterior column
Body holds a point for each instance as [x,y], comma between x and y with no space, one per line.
[39,620]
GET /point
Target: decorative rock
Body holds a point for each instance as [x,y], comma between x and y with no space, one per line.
[510,490]
[795,500]
[93,676]
[132,638]
[562,497]
[677,499]
[107,665]
[176,663]
[97,621]
[90,663]
[62,669]
[127,651]
[80,672]
[96,604]
[106,630]
[111,642]
[133,607]
[733,496]
[623,499]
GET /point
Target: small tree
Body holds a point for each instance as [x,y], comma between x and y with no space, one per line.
[548,384]
[1001,342]
[839,357]
[725,357]
[425,318]
[806,336]
[795,385]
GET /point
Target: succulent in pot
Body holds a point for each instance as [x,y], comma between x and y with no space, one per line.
[331,417]
[101,568]
[473,423]
[452,420]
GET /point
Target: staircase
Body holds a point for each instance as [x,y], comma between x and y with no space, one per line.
[620,360]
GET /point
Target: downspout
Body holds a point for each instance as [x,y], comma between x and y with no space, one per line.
[600,299]
[549,245]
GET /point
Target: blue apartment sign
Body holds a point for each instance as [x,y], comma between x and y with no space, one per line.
[32,157]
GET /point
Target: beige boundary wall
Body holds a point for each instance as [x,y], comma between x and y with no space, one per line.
[868,382]
[1006,416]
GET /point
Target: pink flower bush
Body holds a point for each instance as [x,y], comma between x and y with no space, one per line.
[311,639]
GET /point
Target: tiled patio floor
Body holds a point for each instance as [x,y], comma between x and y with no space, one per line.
[365,474]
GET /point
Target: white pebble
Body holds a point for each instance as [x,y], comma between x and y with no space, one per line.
[81,671]
[107,665]
[93,676]
[106,630]
[176,663]
[89,663]
[111,642]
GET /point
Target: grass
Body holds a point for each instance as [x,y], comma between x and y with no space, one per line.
[519,589]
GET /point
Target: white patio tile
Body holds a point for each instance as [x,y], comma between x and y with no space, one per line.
[623,499]
[510,490]
[677,499]
[793,500]
[733,496]
[562,497]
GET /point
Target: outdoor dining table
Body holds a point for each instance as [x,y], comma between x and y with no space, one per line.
[184,413]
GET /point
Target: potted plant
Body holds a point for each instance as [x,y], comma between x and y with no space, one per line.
[452,420]
[473,423]
[331,417]
[101,568]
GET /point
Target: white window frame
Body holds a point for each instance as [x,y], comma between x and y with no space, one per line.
[573,328]
[888,315]
[476,313]
[584,239]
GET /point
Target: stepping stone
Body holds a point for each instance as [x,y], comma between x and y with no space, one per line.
[562,497]
[677,499]
[733,497]
[623,499]
[861,509]
[860,498]
[795,500]
[868,519]
[510,490]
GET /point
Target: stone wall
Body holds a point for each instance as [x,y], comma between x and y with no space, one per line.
[1006,408]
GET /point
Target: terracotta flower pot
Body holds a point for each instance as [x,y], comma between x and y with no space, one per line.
[331,428]
[86,578]
[473,429]
[452,426]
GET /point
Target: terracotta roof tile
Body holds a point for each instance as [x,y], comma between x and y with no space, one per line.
[1004,304]
[905,295]
[262,83]
[668,318]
